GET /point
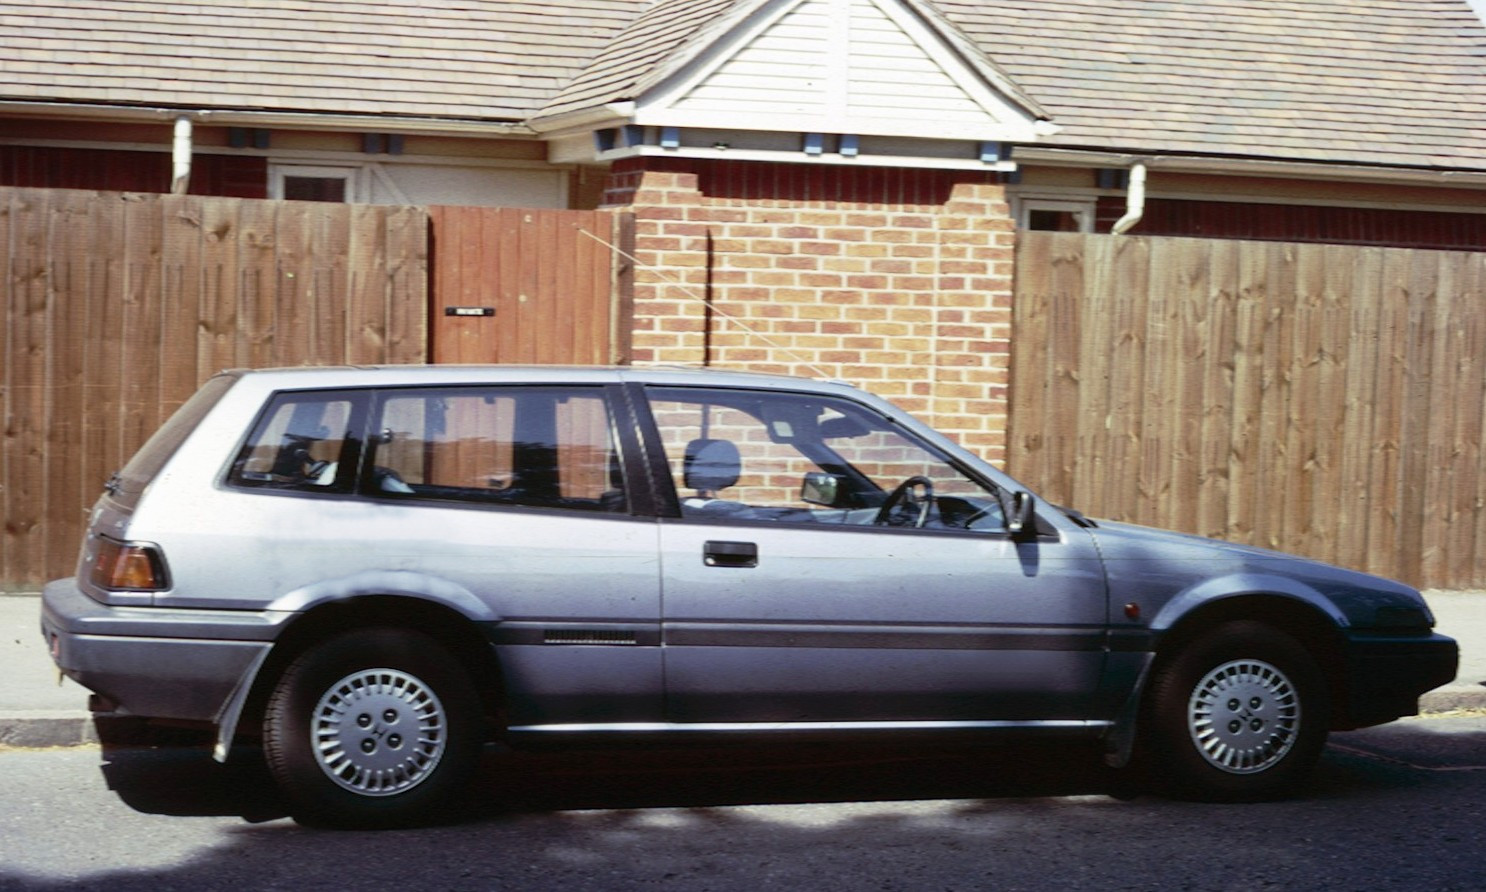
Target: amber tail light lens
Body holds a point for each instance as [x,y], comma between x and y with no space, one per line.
[124,566]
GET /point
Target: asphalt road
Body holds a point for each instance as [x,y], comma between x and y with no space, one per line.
[1398,807]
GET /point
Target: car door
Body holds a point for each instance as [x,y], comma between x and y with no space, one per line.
[863,604]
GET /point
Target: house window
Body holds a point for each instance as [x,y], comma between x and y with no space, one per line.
[302,182]
[1044,215]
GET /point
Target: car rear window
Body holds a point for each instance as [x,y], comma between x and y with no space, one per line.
[147,462]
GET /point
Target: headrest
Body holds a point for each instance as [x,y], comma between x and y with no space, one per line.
[711,465]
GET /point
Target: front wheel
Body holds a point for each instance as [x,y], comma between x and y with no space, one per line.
[372,728]
[1240,714]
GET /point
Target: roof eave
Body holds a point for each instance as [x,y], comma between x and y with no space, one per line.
[429,126]
[611,114]
[1252,167]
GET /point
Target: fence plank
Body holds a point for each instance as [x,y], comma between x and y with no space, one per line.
[1385,480]
[68,485]
[1127,266]
[1366,345]
[26,421]
[220,302]
[1026,429]
[1467,531]
[8,279]
[406,280]
[1215,436]
[367,309]
[180,300]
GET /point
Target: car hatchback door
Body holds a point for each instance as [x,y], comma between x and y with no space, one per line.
[891,592]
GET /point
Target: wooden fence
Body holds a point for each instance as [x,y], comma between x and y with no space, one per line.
[116,306]
[1322,400]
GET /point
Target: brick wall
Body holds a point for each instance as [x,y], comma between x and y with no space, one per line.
[898,281]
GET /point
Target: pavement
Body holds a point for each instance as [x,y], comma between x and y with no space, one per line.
[38,708]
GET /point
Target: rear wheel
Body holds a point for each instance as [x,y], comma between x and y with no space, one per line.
[372,728]
[1240,714]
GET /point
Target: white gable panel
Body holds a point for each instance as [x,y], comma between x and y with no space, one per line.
[786,69]
[891,75]
[837,66]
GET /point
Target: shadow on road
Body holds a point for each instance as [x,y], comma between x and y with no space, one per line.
[1397,803]
[181,778]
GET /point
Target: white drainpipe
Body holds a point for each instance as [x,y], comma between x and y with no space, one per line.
[1134,201]
[180,156]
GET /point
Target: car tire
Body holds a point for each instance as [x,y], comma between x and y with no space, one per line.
[1240,714]
[374,728]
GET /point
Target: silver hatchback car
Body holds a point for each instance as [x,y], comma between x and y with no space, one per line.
[376,570]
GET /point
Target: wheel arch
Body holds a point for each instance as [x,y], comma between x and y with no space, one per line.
[1317,632]
[461,636]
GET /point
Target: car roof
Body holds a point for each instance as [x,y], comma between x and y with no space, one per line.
[435,375]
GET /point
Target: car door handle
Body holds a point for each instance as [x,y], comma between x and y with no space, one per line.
[730,554]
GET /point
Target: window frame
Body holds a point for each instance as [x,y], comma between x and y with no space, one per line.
[668,496]
[348,462]
[624,446]
[1084,210]
[354,176]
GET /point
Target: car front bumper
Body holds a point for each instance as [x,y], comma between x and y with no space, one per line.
[1386,675]
[157,662]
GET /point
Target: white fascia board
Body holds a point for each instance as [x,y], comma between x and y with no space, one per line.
[572,148]
[1017,132]
[1279,169]
[905,161]
[1075,194]
[587,120]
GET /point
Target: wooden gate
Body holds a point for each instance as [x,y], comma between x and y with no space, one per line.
[516,285]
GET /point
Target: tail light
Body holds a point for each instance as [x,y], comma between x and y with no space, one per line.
[128,566]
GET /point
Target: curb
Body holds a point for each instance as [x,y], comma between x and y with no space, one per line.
[46,728]
[1453,697]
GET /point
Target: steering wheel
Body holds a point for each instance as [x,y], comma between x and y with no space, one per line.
[903,507]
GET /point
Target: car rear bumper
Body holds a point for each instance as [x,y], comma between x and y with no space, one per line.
[157,662]
[1387,675]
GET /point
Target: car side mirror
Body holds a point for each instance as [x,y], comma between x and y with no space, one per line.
[1017,507]
[820,488]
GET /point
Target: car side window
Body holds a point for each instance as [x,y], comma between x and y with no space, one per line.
[803,458]
[304,442]
[543,447]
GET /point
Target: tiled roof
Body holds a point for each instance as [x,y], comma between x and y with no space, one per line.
[654,38]
[1399,82]
[1361,81]
[456,59]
